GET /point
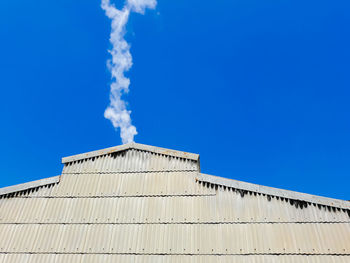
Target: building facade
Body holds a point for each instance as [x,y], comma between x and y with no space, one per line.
[139,203]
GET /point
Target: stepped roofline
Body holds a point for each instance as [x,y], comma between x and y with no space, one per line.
[132,145]
[204,178]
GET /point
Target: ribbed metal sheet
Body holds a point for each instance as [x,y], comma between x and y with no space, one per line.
[27,186]
[135,146]
[261,238]
[301,198]
[58,258]
[131,160]
[228,207]
[139,206]
[122,184]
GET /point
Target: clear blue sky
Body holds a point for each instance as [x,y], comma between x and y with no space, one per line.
[260,89]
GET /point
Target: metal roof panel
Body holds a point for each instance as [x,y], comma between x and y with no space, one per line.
[29,185]
[211,179]
[132,145]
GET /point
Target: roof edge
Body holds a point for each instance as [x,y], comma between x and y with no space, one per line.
[132,145]
[274,191]
[29,185]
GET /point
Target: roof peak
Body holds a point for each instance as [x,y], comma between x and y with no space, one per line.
[131,145]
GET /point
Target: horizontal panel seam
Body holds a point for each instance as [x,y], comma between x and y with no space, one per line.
[110,196]
[131,171]
[175,254]
[175,223]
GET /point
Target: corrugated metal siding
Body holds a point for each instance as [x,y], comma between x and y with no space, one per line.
[301,199]
[221,208]
[142,203]
[131,161]
[122,184]
[58,258]
[261,238]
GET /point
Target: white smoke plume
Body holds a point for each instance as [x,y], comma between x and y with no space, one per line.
[121,62]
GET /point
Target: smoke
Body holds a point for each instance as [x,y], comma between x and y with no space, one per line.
[121,62]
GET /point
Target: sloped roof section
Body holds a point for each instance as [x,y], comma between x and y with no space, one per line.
[29,185]
[129,158]
[132,145]
[137,205]
[271,191]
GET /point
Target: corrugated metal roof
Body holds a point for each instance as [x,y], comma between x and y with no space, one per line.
[135,205]
[150,183]
[175,239]
[132,145]
[106,258]
[273,191]
[204,206]
[29,185]
[132,160]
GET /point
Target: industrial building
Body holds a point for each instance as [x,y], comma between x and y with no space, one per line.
[144,204]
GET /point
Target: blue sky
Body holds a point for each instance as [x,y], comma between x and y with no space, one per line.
[260,89]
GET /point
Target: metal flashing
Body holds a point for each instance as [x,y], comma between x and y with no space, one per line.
[131,145]
[274,191]
[29,185]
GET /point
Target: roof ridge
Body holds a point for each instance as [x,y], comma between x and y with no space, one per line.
[132,145]
[326,201]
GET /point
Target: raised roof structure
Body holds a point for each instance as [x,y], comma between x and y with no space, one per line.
[139,203]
